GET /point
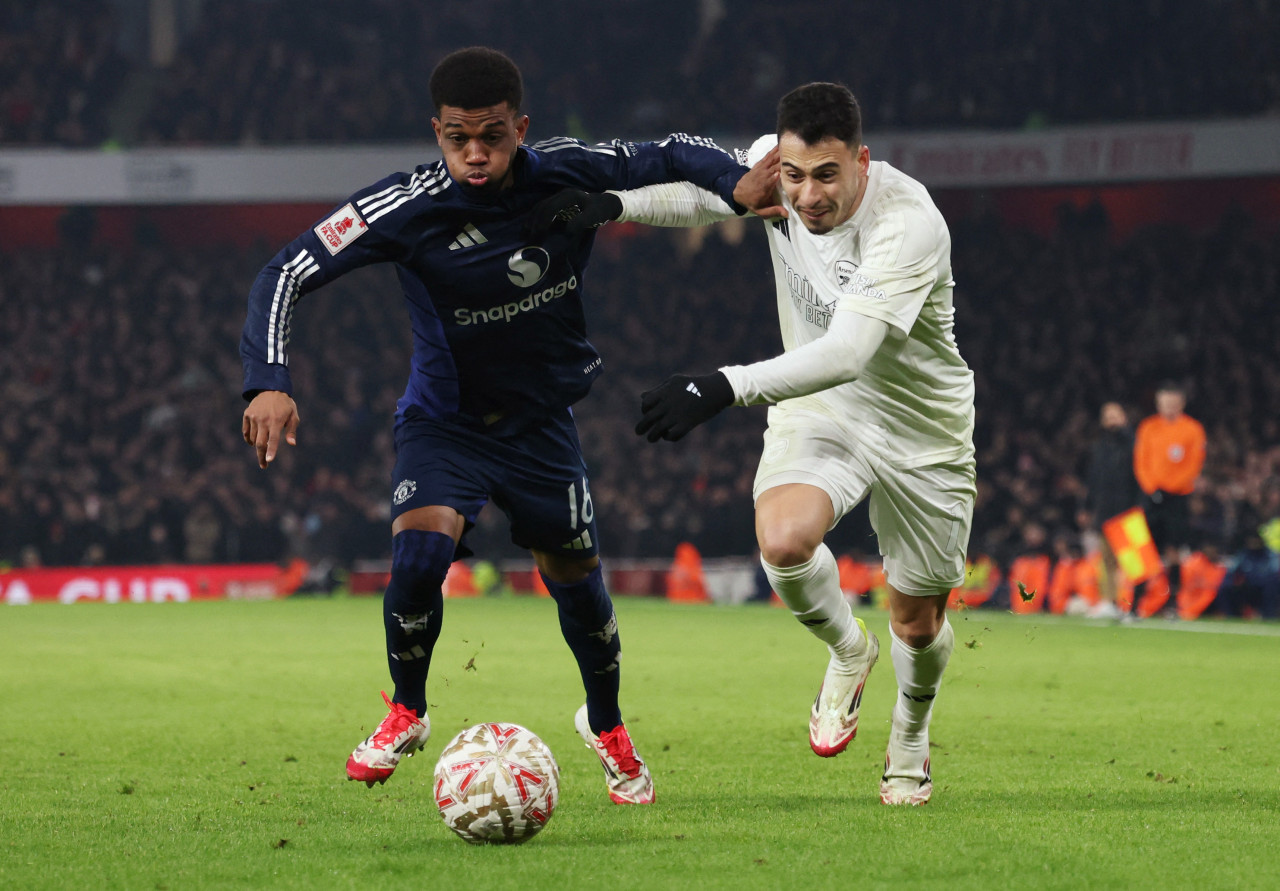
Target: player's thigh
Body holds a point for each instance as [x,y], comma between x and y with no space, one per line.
[922,518]
[812,449]
[438,469]
[791,521]
[544,490]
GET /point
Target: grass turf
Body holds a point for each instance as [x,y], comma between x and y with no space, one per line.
[202,745]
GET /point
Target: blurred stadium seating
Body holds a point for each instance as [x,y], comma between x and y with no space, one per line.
[119,437]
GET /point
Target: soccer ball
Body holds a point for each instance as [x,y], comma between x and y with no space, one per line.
[496,783]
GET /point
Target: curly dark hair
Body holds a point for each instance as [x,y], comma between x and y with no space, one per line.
[476,77]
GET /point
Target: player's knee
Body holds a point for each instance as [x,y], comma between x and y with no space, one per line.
[917,621]
[564,570]
[920,628]
[916,637]
[420,560]
[785,544]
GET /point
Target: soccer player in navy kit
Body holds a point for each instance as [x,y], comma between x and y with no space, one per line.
[499,355]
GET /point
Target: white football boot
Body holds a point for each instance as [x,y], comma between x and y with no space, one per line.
[906,778]
[625,774]
[833,720]
[401,733]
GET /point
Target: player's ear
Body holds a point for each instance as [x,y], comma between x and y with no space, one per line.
[522,127]
[435,125]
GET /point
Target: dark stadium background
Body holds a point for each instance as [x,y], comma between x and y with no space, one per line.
[119,318]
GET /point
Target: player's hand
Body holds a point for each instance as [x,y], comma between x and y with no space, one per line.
[269,414]
[680,403]
[576,210]
[757,191]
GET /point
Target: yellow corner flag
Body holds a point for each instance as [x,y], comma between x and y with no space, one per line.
[1130,539]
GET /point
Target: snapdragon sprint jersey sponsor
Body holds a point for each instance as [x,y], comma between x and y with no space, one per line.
[891,261]
[497,322]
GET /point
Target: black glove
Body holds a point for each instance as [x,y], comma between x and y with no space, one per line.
[576,209]
[680,403]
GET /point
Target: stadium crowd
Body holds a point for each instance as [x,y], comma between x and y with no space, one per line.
[285,71]
[59,73]
[120,439]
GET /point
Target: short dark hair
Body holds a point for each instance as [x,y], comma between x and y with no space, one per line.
[817,111]
[476,77]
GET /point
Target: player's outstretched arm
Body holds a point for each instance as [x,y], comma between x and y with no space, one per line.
[679,204]
[269,414]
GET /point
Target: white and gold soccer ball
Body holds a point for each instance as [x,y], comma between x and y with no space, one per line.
[496,783]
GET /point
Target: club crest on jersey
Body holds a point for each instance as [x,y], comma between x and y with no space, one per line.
[342,228]
[850,281]
[528,265]
[404,491]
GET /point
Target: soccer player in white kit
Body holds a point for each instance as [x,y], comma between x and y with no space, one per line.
[870,398]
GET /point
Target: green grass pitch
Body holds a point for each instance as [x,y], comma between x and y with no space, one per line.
[202,746]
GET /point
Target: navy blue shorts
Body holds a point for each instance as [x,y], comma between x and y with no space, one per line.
[537,477]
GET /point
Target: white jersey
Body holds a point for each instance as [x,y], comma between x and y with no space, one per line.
[890,261]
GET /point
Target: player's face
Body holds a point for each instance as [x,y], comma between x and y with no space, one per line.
[480,143]
[824,182]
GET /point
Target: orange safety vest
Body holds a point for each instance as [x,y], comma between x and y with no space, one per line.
[1168,455]
[1074,578]
[981,577]
[1153,598]
[1032,571]
[1200,580]
[685,583]
[458,582]
[858,577]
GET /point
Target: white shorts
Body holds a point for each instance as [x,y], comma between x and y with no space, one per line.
[922,516]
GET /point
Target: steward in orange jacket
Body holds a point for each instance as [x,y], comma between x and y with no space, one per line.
[685,582]
[1168,455]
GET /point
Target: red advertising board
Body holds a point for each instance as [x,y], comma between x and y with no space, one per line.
[148,584]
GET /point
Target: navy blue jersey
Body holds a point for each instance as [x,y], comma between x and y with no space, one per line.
[498,325]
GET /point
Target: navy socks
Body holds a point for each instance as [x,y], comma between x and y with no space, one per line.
[591,631]
[412,608]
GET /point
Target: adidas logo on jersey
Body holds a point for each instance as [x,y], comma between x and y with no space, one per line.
[469,237]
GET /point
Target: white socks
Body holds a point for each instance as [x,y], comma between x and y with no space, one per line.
[812,592]
[919,673]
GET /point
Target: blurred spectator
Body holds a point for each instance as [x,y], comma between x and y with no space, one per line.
[1110,488]
[1252,582]
[1168,456]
